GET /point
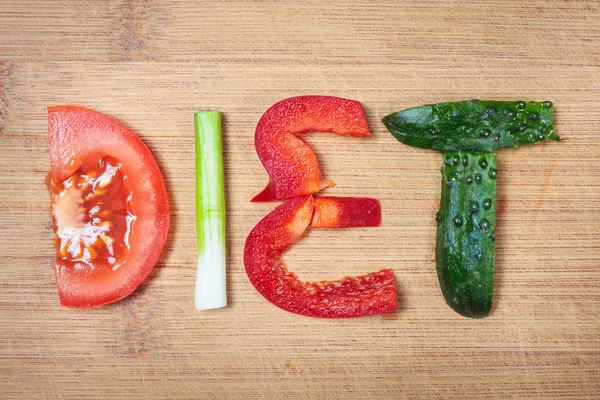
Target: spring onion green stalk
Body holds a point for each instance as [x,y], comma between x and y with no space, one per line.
[210,212]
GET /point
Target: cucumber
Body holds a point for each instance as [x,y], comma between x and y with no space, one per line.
[474,125]
[465,233]
[467,133]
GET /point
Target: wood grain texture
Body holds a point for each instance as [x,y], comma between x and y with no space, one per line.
[151,64]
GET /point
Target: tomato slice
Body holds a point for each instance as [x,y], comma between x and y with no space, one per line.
[374,293]
[109,207]
[291,164]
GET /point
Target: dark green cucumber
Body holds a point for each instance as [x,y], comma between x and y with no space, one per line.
[467,133]
[474,125]
[465,233]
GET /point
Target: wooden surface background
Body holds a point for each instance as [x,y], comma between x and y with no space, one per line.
[152,64]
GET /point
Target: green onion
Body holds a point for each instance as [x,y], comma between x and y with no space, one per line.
[210,212]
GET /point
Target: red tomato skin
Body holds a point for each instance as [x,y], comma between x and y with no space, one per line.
[369,294]
[346,212]
[78,135]
[291,164]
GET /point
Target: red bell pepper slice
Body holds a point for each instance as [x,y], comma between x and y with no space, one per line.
[345,212]
[291,164]
[370,294]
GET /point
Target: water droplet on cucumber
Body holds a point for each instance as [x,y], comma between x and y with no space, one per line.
[485,225]
[458,221]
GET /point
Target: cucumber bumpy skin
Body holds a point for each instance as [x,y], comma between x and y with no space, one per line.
[467,133]
[465,233]
[473,125]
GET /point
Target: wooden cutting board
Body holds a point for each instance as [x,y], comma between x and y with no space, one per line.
[152,64]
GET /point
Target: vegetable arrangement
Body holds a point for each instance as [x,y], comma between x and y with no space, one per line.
[467,133]
[294,172]
[111,215]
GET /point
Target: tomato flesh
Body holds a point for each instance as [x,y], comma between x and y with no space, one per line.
[109,207]
[93,218]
